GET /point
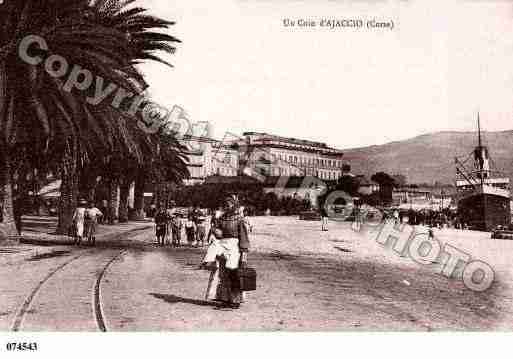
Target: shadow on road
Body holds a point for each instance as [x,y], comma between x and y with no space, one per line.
[172,299]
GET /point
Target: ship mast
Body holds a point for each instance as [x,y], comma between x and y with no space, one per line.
[479,130]
[480,148]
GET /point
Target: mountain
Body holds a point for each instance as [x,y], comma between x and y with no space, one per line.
[429,158]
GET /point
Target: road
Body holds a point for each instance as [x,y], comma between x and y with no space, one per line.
[332,280]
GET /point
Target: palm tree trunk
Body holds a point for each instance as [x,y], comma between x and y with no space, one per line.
[123,201]
[139,199]
[7,223]
[67,202]
[69,189]
[88,186]
[113,201]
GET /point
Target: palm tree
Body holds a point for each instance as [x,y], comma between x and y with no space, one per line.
[36,112]
[164,163]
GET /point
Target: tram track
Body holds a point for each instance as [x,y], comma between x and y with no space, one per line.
[25,307]
[94,294]
[97,303]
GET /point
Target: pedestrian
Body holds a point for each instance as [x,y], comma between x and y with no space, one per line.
[103,209]
[431,234]
[324,218]
[201,228]
[78,221]
[171,211]
[91,218]
[176,225]
[161,224]
[190,228]
[153,210]
[226,253]
[396,217]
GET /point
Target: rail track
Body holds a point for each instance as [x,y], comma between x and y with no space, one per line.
[96,303]
[25,307]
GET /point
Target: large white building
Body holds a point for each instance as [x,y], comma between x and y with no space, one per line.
[284,156]
[264,154]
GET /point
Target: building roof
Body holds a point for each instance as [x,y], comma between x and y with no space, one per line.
[269,140]
[288,139]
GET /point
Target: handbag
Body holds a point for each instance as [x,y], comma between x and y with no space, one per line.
[246,278]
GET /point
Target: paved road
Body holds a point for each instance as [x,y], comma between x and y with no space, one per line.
[133,285]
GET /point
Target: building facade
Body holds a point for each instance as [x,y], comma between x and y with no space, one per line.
[274,155]
[264,154]
[208,157]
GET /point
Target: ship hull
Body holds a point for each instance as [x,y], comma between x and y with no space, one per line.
[484,211]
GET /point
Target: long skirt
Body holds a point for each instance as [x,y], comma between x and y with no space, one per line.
[222,288]
[80,228]
[169,230]
[160,230]
[200,233]
[191,235]
[90,228]
[176,235]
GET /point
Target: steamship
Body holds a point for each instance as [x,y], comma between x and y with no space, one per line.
[483,194]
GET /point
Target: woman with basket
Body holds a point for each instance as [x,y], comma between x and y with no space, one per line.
[226,257]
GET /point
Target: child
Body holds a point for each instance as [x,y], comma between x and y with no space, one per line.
[176,225]
[161,225]
[431,235]
[92,216]
[190,229]
[201,230]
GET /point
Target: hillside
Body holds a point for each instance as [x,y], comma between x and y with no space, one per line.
[429,158]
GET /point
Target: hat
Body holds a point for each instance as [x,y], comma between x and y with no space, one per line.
[232,198]
[82,201]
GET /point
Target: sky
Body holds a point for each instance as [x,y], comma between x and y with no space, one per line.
[239,68]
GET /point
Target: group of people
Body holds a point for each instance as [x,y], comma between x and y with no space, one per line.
[228,244]
[169,223]
[85,222]
[228,241]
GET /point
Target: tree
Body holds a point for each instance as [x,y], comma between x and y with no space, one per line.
[386,185]
[37,113]
[348,184]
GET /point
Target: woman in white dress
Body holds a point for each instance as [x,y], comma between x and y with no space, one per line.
[78,220]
